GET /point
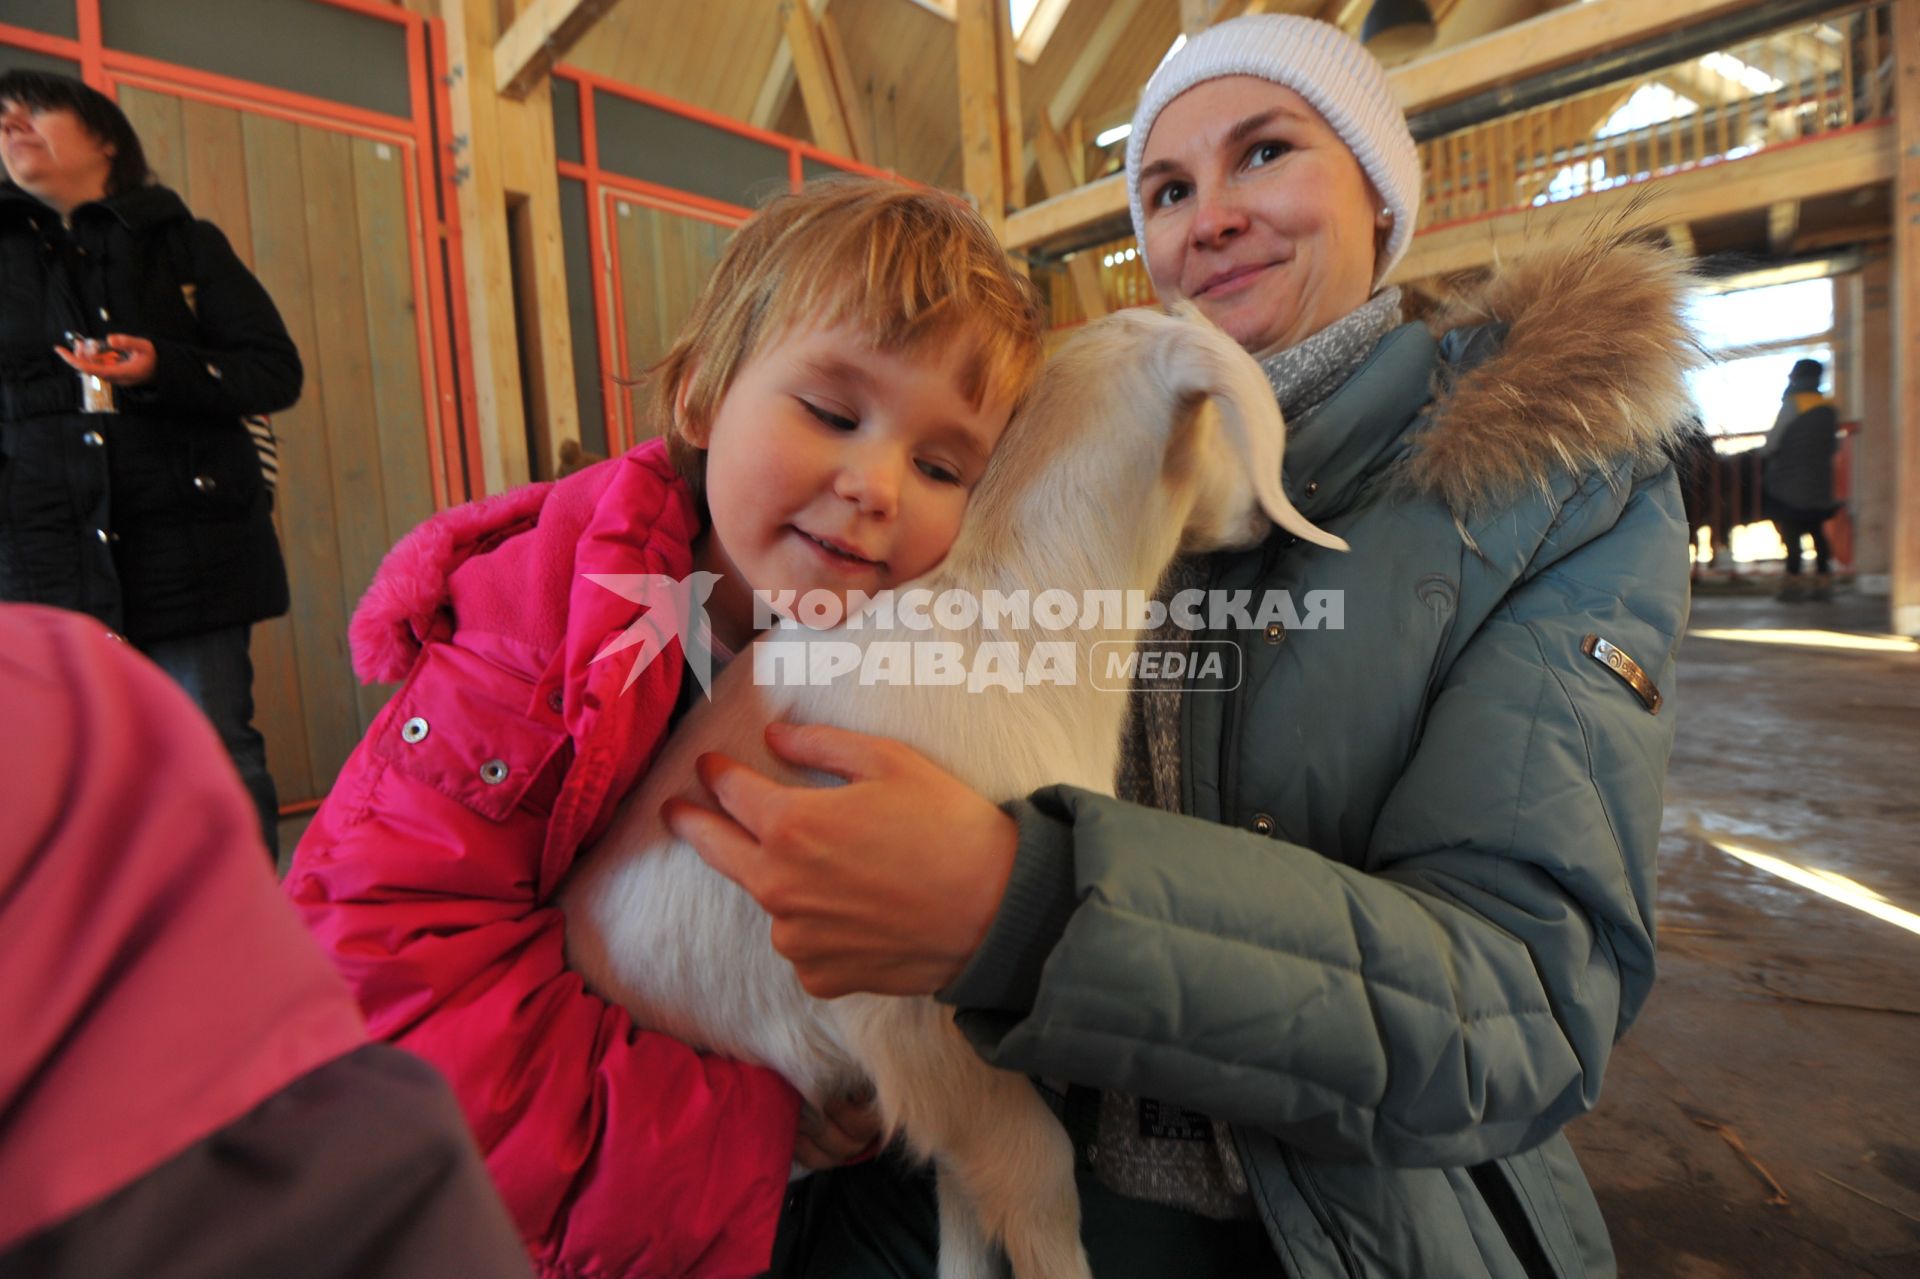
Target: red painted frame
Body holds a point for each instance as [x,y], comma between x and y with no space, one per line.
[603,187]
[426,149]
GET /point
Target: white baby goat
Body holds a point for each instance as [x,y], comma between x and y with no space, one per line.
[1113,467]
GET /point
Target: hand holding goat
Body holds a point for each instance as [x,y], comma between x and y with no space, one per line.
[1149,435]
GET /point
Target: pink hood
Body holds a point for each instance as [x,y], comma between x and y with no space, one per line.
[154,986]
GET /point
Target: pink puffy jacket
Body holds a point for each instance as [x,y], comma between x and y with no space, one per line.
[428,876]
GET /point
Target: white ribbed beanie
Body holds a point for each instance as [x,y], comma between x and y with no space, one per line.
[1324,65]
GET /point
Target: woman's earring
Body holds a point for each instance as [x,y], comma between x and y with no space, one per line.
[1386,218]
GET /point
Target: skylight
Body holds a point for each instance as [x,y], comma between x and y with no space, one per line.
[1752,78]
[1650,104]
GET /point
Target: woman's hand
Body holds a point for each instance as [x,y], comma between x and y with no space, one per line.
[127,361]
[887,884]
[847,1130]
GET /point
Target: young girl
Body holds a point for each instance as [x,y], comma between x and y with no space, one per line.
[828,409]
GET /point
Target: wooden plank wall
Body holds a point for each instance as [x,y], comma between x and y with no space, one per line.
[320,218]
[662,262]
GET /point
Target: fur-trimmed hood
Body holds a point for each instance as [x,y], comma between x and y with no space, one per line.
[1591,369]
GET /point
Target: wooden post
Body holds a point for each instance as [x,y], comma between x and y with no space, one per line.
[1783,223]
[494,349]
[1056,177]
[990,143]
[1906,292]
[1013,142]
[546,333]
[1874,385]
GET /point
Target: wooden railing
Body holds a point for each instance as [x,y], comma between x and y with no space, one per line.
[1795,83]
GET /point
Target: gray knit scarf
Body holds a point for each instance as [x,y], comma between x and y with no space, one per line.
[1154,1150]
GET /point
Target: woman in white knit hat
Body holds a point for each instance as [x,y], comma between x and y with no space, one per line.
[1329,977]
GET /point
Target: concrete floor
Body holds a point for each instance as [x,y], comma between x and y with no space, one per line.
[1762,1118]
[1785,1025]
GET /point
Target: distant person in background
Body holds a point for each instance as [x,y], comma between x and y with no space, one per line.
[132,341]
[1798,457]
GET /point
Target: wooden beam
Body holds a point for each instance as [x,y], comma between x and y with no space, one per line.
[1844,236]
[1050,153]
[853,106]
[777,83]
[1056,176]
[989,133]
[1819,166]
[1103,200]
[825,117]
[1554,39]
[538,39]
[1906,310]
[1041,24]
[1783,223]
[493,348]
[1093,58]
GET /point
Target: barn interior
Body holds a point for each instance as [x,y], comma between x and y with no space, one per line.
[484,221]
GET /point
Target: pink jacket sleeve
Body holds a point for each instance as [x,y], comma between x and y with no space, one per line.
[620,1152]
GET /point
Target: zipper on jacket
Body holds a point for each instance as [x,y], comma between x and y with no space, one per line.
[1237,698]
[1227,746]
[1317,1206]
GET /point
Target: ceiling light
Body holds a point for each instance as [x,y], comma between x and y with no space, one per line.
[1396,28]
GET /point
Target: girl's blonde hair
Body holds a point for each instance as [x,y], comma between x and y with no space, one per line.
[904,266]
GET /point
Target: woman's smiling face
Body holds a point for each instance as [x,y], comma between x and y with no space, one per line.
[1257,211]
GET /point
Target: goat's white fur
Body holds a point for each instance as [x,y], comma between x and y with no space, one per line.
[1112,468]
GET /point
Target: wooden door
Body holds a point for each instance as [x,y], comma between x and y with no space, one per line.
[661,262]
[322,217]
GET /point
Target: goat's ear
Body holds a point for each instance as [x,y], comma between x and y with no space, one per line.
[1249,418]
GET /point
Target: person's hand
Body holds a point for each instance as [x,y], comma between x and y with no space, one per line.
[887,884]
[847,1130]
[127,361]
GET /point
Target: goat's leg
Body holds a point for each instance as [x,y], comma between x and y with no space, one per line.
[965,1250]
[992,1137]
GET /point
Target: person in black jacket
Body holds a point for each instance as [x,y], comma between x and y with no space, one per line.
[1798,457]
[152,516]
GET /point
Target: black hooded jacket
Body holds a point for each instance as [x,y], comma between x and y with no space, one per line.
[155,519]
